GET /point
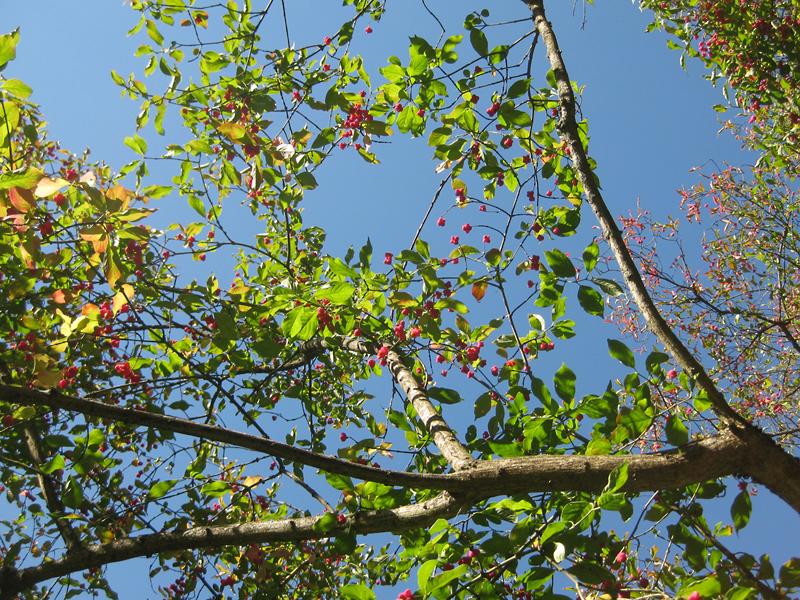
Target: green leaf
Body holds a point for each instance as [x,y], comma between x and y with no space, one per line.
[306,180]
[598,447]
[424,574]
[365,255]
[444,395]
[617,478]
[418,65]
[621,352]
[8,47]
[216,489]
[653,360]
[356,591]
[564,381]
[443,579]
[325,523]
[543,394]
[591,301]
[677,433]
[789,575]
[479,42]
[17,88]
[153,32]
[741,593]
[24,179]
[159,489]
[72,496]
[579,513]
[741,509]
[137,144]
[338,293]
[560,263]
[708,587]
[518,88]
[610,287]
[54,464]
[590,256]
[301,323]
[590,572]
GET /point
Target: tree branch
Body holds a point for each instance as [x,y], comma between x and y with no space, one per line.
[443,436]
[48,488]
[767,463]
[699,461]
[284,530]
[330,464]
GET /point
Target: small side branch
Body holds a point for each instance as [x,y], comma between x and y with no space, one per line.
[443,436]
[48,488]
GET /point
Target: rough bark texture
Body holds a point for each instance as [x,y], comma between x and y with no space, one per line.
[700,461]
[767,462]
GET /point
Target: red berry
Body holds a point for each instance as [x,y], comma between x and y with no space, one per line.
[440,222]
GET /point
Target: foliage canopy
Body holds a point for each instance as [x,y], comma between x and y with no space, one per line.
[251,425]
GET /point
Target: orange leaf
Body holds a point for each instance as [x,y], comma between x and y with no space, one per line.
[22,200]
[122,194]
[90,309]
[61,297]
[479,290]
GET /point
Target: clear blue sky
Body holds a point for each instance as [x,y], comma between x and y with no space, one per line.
[649,121]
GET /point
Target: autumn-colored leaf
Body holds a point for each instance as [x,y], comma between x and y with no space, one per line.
[232,131]
[47,187]
[22,200]
[479,290]
[90,309]
[122,297]
[124,195]
[61,297]
[113,271]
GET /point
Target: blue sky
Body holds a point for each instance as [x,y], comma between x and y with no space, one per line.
[650,122]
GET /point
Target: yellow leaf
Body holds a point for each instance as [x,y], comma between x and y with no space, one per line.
[252,481]
[233,131]
[47,378]
[123,296]
[122,194]
[60,345]
[101,245]
[48,187]
[93,233]
[113,271]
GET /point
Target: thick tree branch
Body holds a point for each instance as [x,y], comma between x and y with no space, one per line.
[696,462]
[768,462]
[47,486]
[330,464]
[284,530]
